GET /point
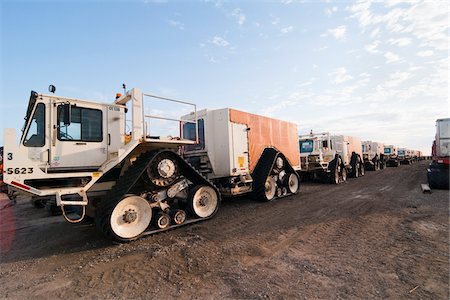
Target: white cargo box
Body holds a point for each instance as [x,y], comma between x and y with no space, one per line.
[234,140]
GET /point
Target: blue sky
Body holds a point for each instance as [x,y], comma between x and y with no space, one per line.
[377,70]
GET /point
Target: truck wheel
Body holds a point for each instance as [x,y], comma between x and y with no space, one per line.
[128,219]
[335,176]
[356,170]
[344,174]
[293,183]
[362,170]
[270,188]
[203,201]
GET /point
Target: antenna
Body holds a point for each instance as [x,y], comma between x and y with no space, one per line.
[124,86]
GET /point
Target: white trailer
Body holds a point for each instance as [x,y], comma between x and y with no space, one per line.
[373,155]
[245,153]
[330,157]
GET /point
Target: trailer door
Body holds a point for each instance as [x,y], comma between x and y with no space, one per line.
[239,148]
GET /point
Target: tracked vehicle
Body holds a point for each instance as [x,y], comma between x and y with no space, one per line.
[80,153]
[243,153]
[391,153]
[330,158]
[373,155]
[405,156]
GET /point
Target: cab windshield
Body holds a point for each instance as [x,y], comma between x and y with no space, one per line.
[306,146]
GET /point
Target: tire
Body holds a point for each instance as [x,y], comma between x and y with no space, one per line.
[362,170]
[344,173]
[126,219]
[203,201]
[356,170]
[293,183]
[335,176]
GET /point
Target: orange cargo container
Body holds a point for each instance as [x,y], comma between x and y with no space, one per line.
[267,132]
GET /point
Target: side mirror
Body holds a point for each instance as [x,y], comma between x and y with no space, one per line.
[67,113]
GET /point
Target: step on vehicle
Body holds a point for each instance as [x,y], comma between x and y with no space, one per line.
[243,153]
[330,158]
[88,155]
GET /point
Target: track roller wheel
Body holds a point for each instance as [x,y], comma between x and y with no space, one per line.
[270,188]
[127,219]
[203,201]
[163,171]
[178,216]
[293,183]
[161,220]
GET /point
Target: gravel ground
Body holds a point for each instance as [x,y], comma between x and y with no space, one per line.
[374,237]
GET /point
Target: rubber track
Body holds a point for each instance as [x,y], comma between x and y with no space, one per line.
[263,169]
[129,182]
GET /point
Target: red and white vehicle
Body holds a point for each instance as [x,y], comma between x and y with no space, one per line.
[438,171]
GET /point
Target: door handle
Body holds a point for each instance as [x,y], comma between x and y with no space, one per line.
[80,143]
[109,139]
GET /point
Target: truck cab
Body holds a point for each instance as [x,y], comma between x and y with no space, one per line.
[391,152]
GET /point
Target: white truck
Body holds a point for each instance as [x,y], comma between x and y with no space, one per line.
[373,155]
[244,153]
[330,157]
[405,156]
[391,153]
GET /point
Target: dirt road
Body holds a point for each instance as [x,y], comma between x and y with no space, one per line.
[374,237]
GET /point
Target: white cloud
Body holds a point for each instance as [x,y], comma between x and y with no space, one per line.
[395,79]
[320,49]
[391,57]
[425,53]
[339,76]
[239,15]
[425,20]
[338,32]
[330,11]
[372,48]
[287,29]
[219,41]
[286,1]
[375,33]
[176,24]
[400,41]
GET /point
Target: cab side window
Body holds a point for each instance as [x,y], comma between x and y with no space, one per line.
[85,125]
[36,131]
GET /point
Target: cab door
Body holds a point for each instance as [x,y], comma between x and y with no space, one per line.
[79,137]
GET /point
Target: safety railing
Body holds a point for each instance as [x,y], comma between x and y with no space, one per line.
[147,117]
